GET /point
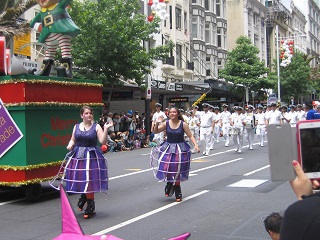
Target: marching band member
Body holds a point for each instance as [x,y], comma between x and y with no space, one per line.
[194,123]
[274,115]
[225,123]
[237,122]
[249,127]
[301,113]
[293,115]
[260,122]
[159,137]
[217,126]
[285,117]
[206,128]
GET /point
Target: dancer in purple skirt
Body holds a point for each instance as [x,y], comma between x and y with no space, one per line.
[86,169]
[172,158]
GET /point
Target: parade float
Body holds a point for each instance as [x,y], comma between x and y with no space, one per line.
[45,109]
[37,110]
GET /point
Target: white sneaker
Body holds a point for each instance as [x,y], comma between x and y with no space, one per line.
[239,151]
[251,148]
[236,150]
[227,145]
[206,154]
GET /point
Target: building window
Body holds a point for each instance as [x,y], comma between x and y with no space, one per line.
[219,63]
[224,38]
[178,18]
[208,72]
[255,19]
[178,55]
[185,22]
[170,16]
[218,37]
[207,39]
[208,58]
[194,27]
[213,37]
[206,4]
[218,8]
[201,30]
[256,40]
[194,1]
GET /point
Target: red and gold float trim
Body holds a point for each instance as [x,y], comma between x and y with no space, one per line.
[65,83]
[24,175]
[41,90]
[59,104]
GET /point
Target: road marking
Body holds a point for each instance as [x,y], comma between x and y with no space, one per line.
[257,170]
[148,214]
[199,160]
[216,165]
[145,154]
[12,201]
[218,153]
[191,175]
[133,169]
[248,183]
[129,174]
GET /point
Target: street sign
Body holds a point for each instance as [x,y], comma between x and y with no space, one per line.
[10,134]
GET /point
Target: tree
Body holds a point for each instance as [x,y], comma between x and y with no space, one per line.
[10,11]
[110,46]
[243,67]
[294,77]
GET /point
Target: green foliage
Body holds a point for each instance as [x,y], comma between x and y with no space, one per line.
[243,66]
[294,79]
[10,11]
[110,46]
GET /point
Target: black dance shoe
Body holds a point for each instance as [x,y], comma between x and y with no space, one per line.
[177,190]
[82,201]
[90,210]
[168,190]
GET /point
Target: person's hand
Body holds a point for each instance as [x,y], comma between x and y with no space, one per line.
[160,119]
[197,148]
[301,185]
[108,125]
[69,147]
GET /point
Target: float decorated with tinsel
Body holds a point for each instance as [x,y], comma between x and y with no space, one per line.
[38,110]
[45,110]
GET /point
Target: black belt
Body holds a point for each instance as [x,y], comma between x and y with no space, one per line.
[50,19]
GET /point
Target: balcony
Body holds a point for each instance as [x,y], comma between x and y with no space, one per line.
[188,72]
[168,63]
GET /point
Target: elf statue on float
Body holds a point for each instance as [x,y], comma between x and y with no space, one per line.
[56,30]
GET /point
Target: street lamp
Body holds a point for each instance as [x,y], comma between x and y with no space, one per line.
[278,63]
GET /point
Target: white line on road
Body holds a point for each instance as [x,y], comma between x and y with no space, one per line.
[148,214]
[257,170]
[216,165]
[129,174]
[218,153]
[12,201]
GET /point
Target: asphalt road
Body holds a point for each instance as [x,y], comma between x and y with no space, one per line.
[227,196]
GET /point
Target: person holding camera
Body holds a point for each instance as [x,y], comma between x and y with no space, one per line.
[302,218]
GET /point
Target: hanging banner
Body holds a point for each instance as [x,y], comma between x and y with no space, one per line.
[10,134]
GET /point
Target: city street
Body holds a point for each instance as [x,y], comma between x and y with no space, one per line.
[227,196]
